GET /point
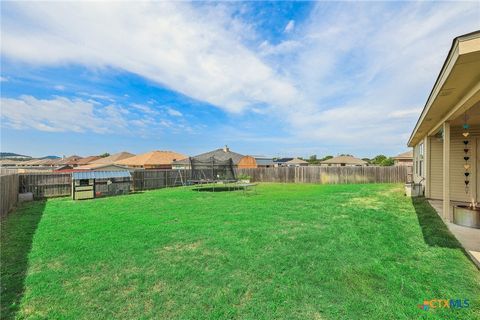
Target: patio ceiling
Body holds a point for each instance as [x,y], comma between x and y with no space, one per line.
[456,90]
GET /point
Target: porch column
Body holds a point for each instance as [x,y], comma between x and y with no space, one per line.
[426,161]
[446,171]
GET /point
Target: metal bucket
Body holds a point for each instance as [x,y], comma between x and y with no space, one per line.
[466,216]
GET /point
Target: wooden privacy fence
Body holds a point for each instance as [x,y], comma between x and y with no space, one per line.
[157,179]
[328,175]
[8,192]
[46,185]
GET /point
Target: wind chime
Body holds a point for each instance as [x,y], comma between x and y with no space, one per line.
[466,149]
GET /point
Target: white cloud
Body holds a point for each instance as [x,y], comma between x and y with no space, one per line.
[59,87]
[343,77]
[174,113]
[290,26]
[62,114]
[195,50]
[59,115]
[3,79]
[415,112]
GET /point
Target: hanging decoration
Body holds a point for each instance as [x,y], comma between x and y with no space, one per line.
[466,151]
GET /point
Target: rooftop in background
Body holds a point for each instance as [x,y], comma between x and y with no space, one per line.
[405,155]
[87,160]
[69,160]
[345,160]
[297,161]
[282,160]
[113,158]
[220,154]
[153,158]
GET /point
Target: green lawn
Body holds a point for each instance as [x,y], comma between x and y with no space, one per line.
[288,252]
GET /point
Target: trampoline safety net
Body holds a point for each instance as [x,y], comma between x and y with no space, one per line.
[212,169]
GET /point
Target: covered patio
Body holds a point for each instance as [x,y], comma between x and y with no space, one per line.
[446,141]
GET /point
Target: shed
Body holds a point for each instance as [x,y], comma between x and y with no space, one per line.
[95,184]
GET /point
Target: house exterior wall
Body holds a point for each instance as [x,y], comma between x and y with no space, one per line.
[435,180]
[419,162]
[457,177]
[433,172]
[403,162]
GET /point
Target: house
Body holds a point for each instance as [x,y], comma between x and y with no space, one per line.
[404,159]
[222,154]
[264,162]
[152,160]
[446,137]
[86,160]
[69,161]
[344,161]
[296,162]
[113,158]
[281,162]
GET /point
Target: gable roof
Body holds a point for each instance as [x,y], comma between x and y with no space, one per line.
[344,159]
[113,158]
[87,160]
[405,155]
[221,154]
[69,160]
[152,158]
[296,161]
[455,88]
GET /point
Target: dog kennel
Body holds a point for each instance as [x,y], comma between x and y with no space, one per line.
[95,184]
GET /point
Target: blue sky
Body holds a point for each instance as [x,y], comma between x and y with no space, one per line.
[270,78]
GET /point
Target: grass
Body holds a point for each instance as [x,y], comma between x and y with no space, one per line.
[288,252]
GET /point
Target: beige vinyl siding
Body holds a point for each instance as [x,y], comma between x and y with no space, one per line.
[478,169]
[457,177]
[436,168]
[419,162]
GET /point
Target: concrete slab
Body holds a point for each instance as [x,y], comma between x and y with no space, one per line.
[469,238]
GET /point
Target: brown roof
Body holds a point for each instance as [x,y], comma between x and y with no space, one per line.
[405,155]
[113,158]
[69,160]
[296,161]
[152,158]
[87,160]
[344,159]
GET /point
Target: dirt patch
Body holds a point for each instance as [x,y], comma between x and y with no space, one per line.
[192,246]
[364,202]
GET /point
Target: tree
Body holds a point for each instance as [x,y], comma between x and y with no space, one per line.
[378,159]
[313,159]
[326,158]
[104,155]
[388,162]
[382,160]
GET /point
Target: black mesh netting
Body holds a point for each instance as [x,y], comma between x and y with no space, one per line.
[212,169]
